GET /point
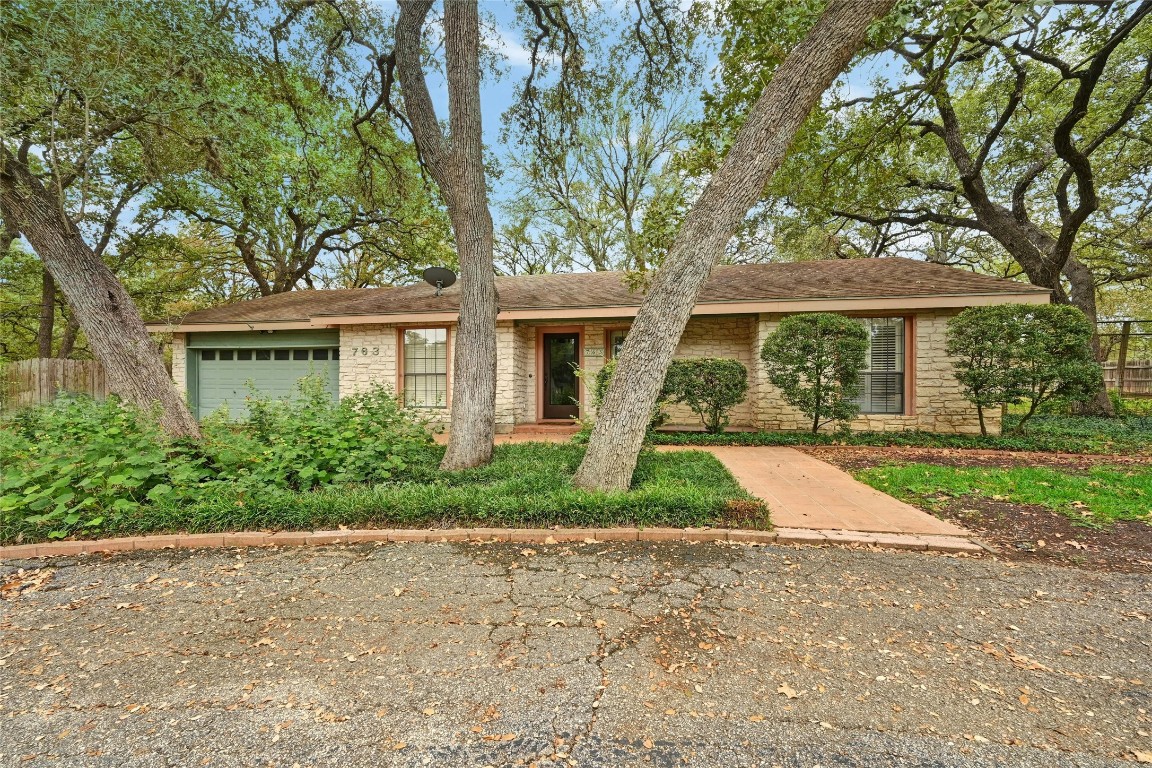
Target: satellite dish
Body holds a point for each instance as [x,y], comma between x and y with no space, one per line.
[439,277]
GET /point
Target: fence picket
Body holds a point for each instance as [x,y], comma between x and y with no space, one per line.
[41,380]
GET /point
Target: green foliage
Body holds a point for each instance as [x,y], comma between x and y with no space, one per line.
[710,386]
[1065,434]
[79,465]
[815,361]
[1023,353]
[526,485]
[306,441]
[1095,498]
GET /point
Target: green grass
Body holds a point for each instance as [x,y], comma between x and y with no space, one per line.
[526,485]
[1094,498]
[1067,434]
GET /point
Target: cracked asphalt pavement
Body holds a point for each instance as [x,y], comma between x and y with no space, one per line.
[585,655]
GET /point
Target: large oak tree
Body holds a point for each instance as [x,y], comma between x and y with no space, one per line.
[757,150]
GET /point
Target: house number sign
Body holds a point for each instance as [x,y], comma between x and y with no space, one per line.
[366,351]
[594,351]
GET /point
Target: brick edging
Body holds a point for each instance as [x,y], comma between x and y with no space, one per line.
[953,544]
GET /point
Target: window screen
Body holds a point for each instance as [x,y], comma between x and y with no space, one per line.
[882,388]
[426,367]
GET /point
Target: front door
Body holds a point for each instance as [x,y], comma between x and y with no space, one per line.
[560,385]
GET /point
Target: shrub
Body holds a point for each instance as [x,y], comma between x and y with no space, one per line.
[308,440]
[79,464]
[815,361]
[1013,353]
[710,386]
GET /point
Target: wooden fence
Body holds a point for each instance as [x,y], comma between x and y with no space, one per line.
[32,382]
[1137,379]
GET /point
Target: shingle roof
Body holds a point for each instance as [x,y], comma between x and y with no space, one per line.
[890,277]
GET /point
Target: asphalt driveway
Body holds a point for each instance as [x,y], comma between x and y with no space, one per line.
[587,655]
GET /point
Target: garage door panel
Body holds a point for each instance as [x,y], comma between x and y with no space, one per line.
[231,382]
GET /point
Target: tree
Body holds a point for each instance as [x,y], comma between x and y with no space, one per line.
[1013,133]
[1022,353]
[710,386]
[589,196]
[81,81]
[757,150]
[982,356]
[815,360]
[602,380]
[302,191]
[456,161]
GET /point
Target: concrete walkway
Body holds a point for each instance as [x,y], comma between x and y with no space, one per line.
[804,492]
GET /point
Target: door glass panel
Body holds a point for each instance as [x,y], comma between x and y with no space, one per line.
[562,363]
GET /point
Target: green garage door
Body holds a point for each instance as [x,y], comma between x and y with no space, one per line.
[224,368]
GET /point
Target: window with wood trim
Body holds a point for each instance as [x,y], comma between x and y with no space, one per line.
[426,367]
[882,388]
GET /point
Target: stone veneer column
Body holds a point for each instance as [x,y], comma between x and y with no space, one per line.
[180,363]
[505,376]
[367,356]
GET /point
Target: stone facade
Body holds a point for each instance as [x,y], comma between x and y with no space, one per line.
[180,363]
[938,404]
[369,354]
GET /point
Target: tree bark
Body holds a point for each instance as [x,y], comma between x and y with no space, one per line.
[103,308]
[1082,295]
[45,329]
[456,162]
[757,151]
[68,340]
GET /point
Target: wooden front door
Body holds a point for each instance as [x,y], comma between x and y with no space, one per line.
[560,386]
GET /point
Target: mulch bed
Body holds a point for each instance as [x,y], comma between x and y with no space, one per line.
[1021,532]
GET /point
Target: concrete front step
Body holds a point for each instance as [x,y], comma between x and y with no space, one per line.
[546,536]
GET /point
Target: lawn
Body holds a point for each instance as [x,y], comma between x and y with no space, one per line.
[526,485]
[82,468]
[1096,497]
[1066,434]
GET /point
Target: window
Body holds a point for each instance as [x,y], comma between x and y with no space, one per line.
[263,354]
[319,354]
[882,389]
[426,367]
[207,354]
[225,354]
[244,354]
[299,354]
[281,354]
[615,342]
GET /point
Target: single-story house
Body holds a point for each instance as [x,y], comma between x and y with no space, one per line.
[549,325]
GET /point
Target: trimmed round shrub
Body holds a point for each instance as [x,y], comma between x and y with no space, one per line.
[815,360]
[710,386]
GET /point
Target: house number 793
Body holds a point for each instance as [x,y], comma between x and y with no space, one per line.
[365,351]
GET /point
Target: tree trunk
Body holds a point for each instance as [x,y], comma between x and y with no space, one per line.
[757,151]
[103,308]
[44,331]
[457,165]
[1082,294]
[68,340]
